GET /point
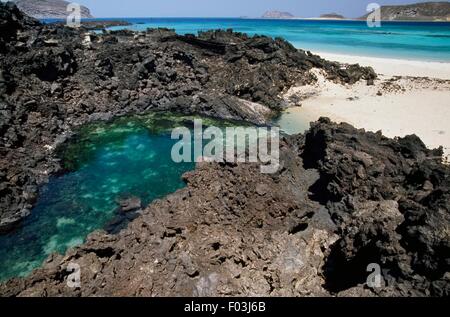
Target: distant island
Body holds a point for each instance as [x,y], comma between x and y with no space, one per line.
[427,11]
[48,9]
[277,15]
[332,16]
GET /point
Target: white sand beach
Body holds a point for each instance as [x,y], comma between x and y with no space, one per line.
[396,106]
[394,67]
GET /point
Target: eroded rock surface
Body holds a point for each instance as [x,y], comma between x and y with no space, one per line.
[390,200]
[342,200]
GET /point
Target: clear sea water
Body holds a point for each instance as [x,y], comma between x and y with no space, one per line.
[105,163]
[407,40]
[108,162]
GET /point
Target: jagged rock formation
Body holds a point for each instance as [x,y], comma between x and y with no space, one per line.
[277,15]
[390,200]
[12,20]
[96,25]
[55,78]
[44,9]
[332,16]
[426,11]
[342,200]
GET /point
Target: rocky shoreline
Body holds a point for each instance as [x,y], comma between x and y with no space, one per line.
[343,199]
[54,78]
[96,24]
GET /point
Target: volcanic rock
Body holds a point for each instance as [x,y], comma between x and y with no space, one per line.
[56,83]
[312,231]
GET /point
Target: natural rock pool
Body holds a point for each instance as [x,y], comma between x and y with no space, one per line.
[106,162]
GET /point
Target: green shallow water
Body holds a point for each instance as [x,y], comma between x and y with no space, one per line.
[107,161]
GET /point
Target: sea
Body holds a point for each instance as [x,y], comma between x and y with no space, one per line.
[424,41]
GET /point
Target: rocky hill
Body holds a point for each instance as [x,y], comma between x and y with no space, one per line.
[44,9]
[277,15]
[427,11]
[332,16]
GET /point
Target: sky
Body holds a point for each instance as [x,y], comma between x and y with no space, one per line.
[229,8]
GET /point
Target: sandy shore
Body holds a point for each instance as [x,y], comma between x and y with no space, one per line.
[396,106]
[394,67]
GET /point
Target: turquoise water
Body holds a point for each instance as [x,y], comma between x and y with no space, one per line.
[108,162]
[407,40]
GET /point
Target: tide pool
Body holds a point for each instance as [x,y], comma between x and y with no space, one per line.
[106,162]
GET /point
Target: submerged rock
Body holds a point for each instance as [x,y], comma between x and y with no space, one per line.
[130,204]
